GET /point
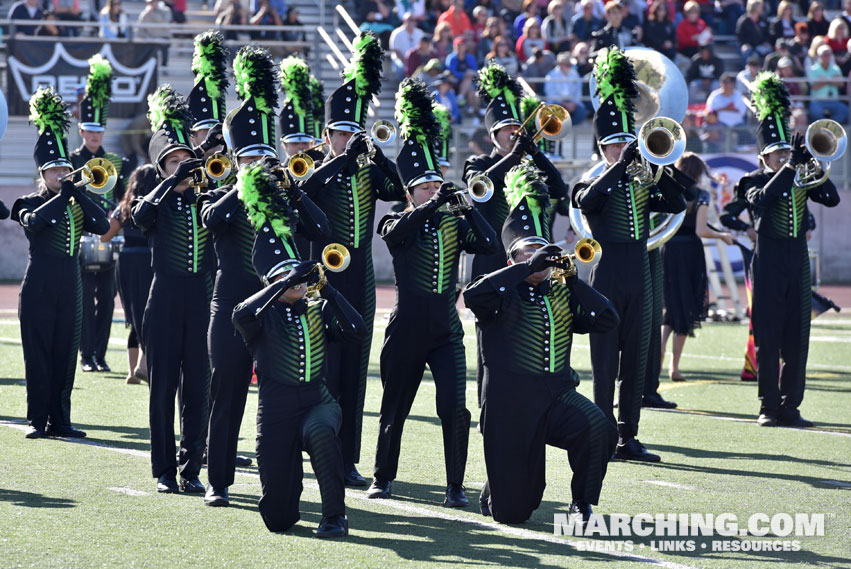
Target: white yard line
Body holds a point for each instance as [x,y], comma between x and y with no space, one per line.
[670,484]
[400,506]
[128,491]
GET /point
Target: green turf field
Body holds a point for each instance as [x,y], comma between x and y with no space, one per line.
[66,504]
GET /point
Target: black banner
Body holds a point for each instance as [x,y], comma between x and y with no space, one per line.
[64,65]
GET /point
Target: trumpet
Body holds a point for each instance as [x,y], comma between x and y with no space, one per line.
[587,252]
[218,167]
[335,258]
[98,175]
[826,141]
[301,165]
[383,132]
[480,190]
[661,142]
[552,122]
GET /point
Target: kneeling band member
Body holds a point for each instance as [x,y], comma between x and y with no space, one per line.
[424,327]
[529,396]
[287,336]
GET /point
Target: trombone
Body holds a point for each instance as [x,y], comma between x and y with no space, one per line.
[98,175]
[335,258]
[480,190]
[383,132]
[661,142]
[552,122]
[826,141]
[587,252]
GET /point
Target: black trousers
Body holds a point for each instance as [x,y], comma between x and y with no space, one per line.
[292,419]
[348,361]
[98,306]
[408,348]
[483,265]
[515,439]
[782,301]
[654,356]
[175,333]
[623,276]
[49,312]
[231,366]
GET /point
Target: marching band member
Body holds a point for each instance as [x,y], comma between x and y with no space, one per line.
[133,271]
[346,187]
[529,396]
[617,208]
[240,221]
[177,314]
[287,336]
[782,294]
[424,327]
[53,219]
[503,119]
[98,283]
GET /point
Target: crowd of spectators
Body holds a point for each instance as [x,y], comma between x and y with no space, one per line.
[719,45]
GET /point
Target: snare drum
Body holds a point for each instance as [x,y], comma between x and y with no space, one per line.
[97,256]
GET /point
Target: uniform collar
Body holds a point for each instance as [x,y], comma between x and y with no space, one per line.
[296,309]
[84,152]
[528,290]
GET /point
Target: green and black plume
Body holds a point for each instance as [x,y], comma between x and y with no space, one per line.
[366,65]
[444,123]
[256,77]
[99,83]
[49,112]
[769,96]
[528,105]
[615,77]
[493,80]
[317,94]
[210,61]
[415,115]
[526,181]
[295,82]
[264,201]
[165,105]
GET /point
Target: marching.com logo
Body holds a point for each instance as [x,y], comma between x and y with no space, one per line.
[686,525]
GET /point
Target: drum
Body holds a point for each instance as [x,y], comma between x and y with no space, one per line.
[98,256]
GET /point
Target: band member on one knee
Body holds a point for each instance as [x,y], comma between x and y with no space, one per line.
[617,208]
[53,218]
[782,292]
[529,396]
[287,335]
[235,216]
[503,118]
[177,313]
[98,280]
[133,271]
[346,187]
[424,327]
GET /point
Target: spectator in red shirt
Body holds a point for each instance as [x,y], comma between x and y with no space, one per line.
[418,56]
[457,19]
[690,30]
[837,37]
[530,40]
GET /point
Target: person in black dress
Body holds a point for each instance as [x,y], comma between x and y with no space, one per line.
[133,270]
[684,267]
[53,217]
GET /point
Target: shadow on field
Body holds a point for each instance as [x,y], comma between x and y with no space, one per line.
[816,482]
[726,455]
[32,500]
[432,419]
[136,438]
[12,381]
[750,417]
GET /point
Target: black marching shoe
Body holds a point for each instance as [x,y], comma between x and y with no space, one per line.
[88,363]
[353,477]
[34,432]
[192,485]
[766,420]
[455,497]
[484,508]
[243,461]
[632,449]
[794,420]
[333,526]
[67,432]
[379,489]
[216,497]
[656,401]
[167,484]
[581,510]
[102,365]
